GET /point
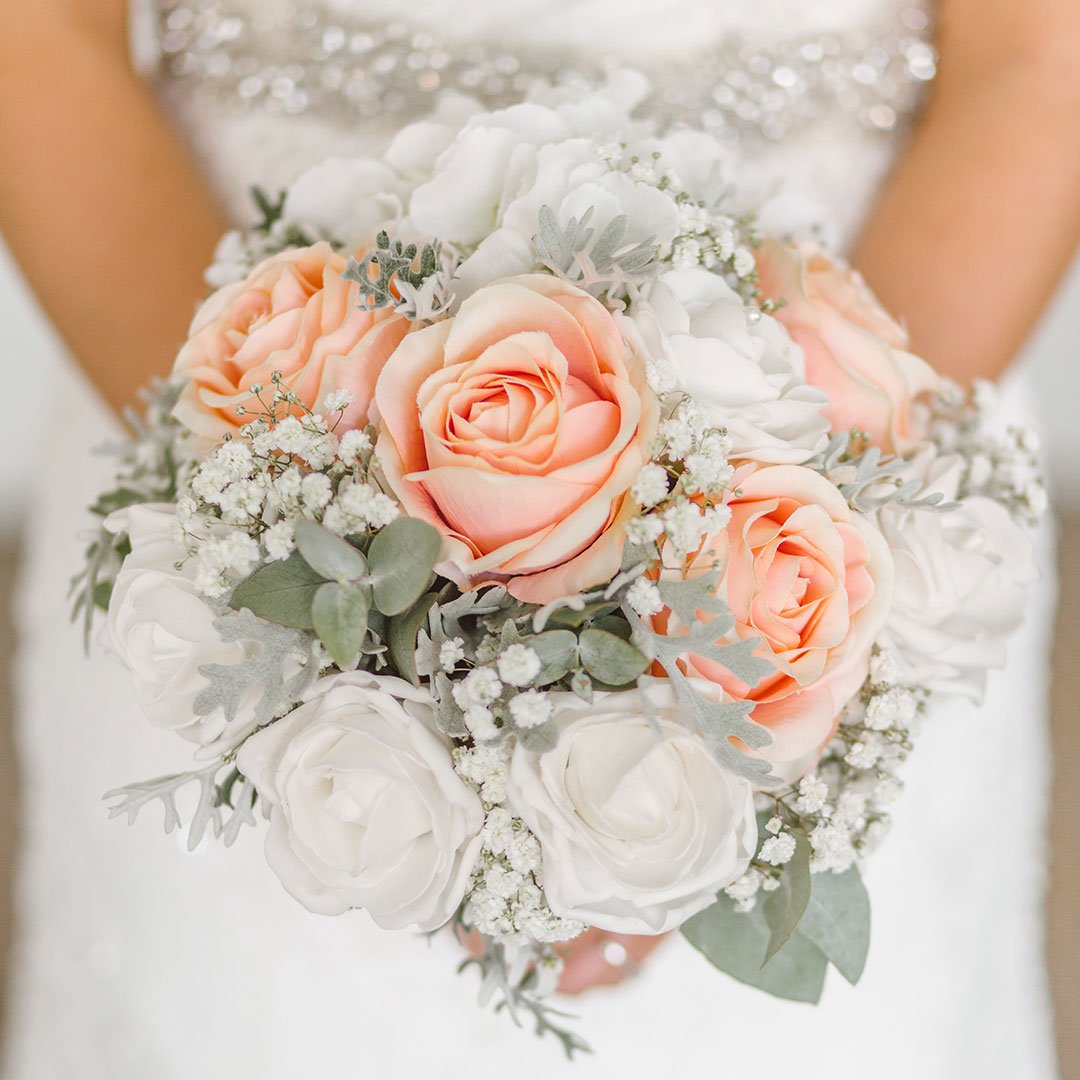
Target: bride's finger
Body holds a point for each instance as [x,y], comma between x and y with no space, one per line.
[600,959]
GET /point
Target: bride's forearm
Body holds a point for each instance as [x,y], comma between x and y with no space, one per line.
[978,221]
[99,203]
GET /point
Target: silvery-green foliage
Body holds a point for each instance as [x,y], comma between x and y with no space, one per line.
[149,468]
[514,987]
[606,265]
[736,942]
[869,481]
[833,926]
[786,905]
[279,649]
[220,808]
[718,721]
[391,264]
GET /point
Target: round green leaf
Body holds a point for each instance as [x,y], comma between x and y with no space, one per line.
[401,637]
[281,592]
[340,615]
[328,554]
[401,561]
[609,659]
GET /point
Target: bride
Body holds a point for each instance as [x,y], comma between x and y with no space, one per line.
[136,960]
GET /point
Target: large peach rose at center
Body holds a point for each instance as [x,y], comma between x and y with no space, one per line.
[516,429]
[812,581]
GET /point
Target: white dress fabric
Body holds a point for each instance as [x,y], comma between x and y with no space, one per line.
[136,960]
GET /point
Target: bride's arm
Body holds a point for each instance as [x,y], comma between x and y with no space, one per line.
[99,202]
[982,213]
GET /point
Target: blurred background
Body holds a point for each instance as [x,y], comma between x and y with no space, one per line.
[30,365]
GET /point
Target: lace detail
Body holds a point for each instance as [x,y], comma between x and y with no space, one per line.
[301,59]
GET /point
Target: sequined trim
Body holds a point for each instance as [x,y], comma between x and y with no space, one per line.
[304,60]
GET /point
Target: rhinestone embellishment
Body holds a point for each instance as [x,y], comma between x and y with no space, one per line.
[301,60]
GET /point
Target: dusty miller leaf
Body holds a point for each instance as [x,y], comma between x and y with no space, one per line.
[278,646]
[207,815]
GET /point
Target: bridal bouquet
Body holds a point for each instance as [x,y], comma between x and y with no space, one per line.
[534,546]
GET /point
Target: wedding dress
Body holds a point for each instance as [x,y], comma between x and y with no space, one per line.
[136,960]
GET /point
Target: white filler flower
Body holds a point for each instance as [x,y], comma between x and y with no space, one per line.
[163,631]
[639,825]
[366,810]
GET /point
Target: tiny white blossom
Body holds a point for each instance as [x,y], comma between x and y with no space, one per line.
[864,753]
[518,665]
[743,261]
[451,653]
[354,444]
[812,795]
[651,485]
[644,530]
[832,847]
[778,850]
[644,597]
[884,667]
[338,401]
[315,490]
[895,708]
[481,723]
[280,540]
[744,890]
[480,687]
[773,825]
[531,709]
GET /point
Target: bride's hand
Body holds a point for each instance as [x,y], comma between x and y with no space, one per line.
[596,958]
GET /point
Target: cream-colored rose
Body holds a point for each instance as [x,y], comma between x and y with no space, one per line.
[854,350]
[516,428]
[747,376]
[640,826]
[294,313]
[163,631]
[961,584]
[366,810]
[813,582]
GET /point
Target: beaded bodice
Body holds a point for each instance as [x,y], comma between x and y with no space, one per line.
[738,82]
[811,96]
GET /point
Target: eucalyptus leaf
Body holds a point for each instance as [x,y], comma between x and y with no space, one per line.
[281,592]
[340,613]
[402,634]
[557,650]
[401,560]
[327,554]
[785,906]
[581,685]
[735,942]
[837,921]
[573,618]
[541,739]
[610,659]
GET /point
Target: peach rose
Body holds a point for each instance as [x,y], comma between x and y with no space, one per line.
[855,351]
[813,582]
[294,314]
[516,428]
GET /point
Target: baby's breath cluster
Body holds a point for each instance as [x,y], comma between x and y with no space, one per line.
[842,807]
[505,898]
[285,465]
[682,492]
[708,236]
[1002,465]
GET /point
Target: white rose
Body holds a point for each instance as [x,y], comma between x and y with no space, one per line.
[163,631]
[346,199]
[748,376]
[640,828]
[960,584]
[366,810]
[489,183]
